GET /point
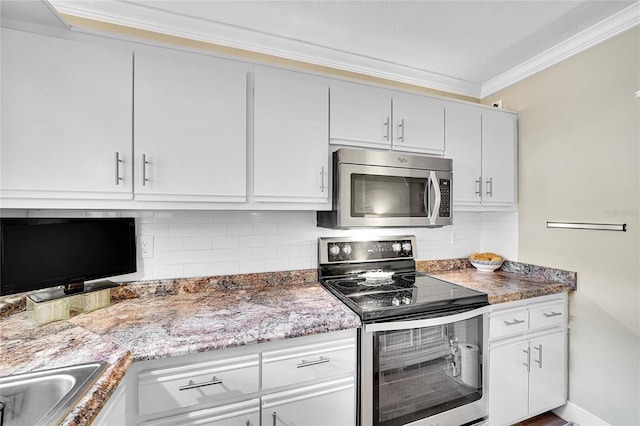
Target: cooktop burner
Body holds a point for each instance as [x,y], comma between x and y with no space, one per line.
[401,291]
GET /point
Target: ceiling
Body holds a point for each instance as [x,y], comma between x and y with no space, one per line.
[467,47]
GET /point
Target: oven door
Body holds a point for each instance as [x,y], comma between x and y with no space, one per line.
[392,196]
[424,372]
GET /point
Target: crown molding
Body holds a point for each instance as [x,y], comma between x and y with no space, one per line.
[134,17]
[603,30]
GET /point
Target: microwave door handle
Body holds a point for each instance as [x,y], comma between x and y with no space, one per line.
[432,215]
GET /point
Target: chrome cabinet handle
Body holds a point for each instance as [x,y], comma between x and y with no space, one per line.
[528,362]
[273,416]
[386,129]
[514,322]
[479,183]
[214,381]
[144,169]
[321,360]
[490,187]
[322,187]
[539,349]
[552,314]
[118,161]
[401,131]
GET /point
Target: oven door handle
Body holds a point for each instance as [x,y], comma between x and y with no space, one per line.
[432,215]
[427,322]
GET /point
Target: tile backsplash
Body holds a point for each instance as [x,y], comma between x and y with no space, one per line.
[191,243]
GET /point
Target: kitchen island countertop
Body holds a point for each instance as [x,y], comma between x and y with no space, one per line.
[155,319]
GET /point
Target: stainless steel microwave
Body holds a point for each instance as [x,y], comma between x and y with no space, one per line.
[388,189]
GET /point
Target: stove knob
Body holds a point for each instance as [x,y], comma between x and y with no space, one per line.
[406,300]
[334,250]
[406,247]
[346,249]
[396,247]
[395,301]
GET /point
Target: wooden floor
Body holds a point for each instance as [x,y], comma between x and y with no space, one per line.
[546,419]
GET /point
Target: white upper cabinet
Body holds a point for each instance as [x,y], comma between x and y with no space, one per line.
[66,119]
[190,128]
[418,124]
[291,149]
[464,146]
[483,146]
[360,115]
[499,171]
[371,117]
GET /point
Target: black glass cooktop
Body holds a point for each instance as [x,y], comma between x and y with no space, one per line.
[405,294]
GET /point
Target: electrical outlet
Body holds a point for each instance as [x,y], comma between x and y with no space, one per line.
[497,104]
[146,246]
[455,238]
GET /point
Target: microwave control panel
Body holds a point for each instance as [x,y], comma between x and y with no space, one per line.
[445,194]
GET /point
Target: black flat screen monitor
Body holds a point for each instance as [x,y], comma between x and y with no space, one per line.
[42,253]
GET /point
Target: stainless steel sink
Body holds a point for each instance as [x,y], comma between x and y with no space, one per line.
[46,397]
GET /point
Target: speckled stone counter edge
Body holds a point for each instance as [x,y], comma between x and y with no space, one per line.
[553,275]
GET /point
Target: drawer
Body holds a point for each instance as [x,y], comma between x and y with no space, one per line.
[240,413]
[309,363]
[547,315]
[202,383]
[508,322]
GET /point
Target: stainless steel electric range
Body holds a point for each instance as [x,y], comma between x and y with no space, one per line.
[422,344]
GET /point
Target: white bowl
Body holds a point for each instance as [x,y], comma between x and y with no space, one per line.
[486,265]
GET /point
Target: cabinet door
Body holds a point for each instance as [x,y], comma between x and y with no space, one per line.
[291,140]
[464,146]
[190,128]
[331,403]
[508,382]
[66,115]
[418,124]
[360,115]
[547,379]
[499,141]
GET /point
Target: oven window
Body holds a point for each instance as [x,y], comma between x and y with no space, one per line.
[387,196]
[422,372]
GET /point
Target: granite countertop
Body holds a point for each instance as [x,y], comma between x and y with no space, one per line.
[512,281]
[165,318]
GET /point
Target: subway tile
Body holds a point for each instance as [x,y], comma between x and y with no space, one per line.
[183,230]
[102,213]
[239,229]
[207,229]
[210,256]
[226,242]
[199,216]
[197,243]
[168,243]
[154,229]
[169,216]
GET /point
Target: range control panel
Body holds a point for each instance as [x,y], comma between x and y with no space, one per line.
[338,250]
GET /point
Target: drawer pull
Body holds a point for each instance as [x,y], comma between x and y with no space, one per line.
[514,322]
[192,385]
[552,314]
[322,360]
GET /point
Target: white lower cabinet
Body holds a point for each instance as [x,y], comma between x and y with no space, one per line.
[324,404]
[528,368]
[298,379]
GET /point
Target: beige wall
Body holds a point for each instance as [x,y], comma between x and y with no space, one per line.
[579,137]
